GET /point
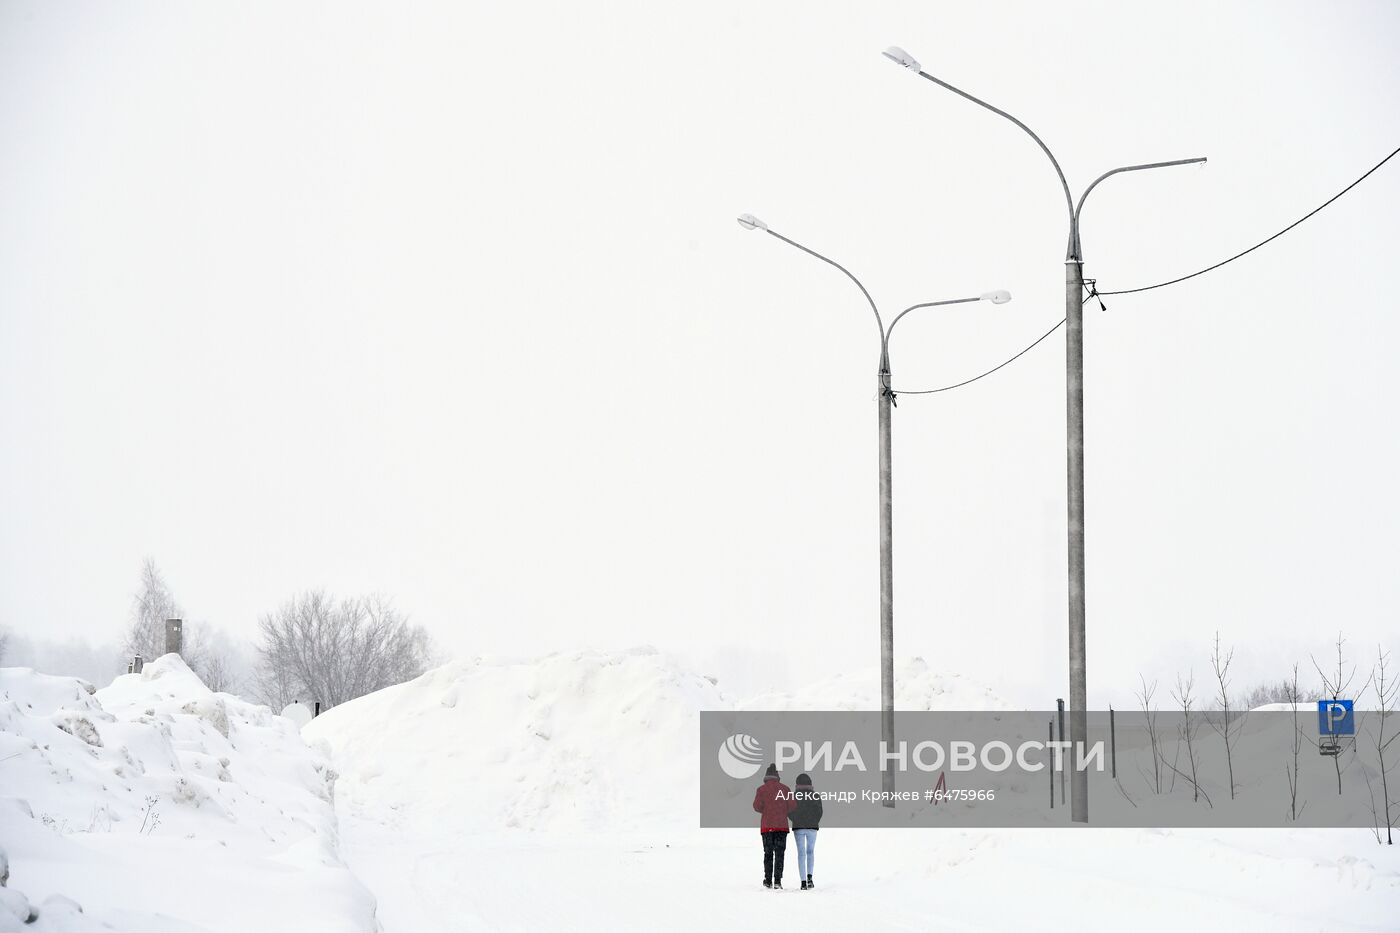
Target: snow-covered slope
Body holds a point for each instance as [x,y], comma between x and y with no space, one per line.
[586,740]
[159,805]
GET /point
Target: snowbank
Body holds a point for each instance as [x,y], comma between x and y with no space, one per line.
[157,804]
[588,740]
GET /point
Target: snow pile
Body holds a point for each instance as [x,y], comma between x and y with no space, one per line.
[159,805]
[582,740]
[588,740]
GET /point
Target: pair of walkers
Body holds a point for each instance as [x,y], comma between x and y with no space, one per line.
[778,805]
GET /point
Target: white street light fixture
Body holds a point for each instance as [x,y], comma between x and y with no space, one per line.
[750,222]
[902,58]
[999,297]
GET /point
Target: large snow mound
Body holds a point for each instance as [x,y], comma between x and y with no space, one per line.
[158,804]
[586,740]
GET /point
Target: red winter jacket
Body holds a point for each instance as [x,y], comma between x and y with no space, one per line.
[775,801]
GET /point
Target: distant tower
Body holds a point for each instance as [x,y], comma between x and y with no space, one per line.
[174,637]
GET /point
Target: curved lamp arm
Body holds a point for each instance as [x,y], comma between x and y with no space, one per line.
[1069,199]
[925,304]
[1072,252]
[1079,208]
[999,297]
[750,222]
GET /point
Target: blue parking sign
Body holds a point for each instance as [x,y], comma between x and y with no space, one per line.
[1334,717]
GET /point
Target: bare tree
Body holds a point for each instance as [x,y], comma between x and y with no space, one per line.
[226,664]
[1290,696]
[1186,732]
[4,641]
[217,673]
[277,684]
[316,648]
[1387,695]
[1154,738]
[1227,725]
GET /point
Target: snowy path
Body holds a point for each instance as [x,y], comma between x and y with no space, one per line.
[526,881]
[537,881]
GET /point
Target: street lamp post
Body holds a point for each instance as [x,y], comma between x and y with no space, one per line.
[1074,427]
[884,402]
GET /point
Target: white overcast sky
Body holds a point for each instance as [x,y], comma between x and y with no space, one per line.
[447,302]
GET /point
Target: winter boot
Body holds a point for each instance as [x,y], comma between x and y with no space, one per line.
[804,885]
[810,882]
[767,883]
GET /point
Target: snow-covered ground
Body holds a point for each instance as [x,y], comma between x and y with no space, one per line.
[159,806]
[557,794]
[561,794]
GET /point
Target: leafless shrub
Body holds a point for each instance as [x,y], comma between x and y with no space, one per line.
[316,648]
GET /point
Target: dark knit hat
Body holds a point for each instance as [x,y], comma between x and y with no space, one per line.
[772,772]
[804,781]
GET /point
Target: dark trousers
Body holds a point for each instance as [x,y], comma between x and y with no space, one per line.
[774,848]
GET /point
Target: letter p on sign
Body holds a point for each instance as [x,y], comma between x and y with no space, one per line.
[1334,717]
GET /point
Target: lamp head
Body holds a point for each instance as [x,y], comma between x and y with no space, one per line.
[750,222]
[902,58]
[998,297]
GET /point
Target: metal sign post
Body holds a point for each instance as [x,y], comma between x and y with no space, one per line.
[1062,738]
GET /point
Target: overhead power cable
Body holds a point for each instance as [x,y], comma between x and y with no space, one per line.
[959,385]
[1093,291]
[1144,288]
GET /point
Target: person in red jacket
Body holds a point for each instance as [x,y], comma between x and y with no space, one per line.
[773,801]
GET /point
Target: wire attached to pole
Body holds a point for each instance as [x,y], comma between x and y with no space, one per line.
[965,382]
[959,385]
[1144,288]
